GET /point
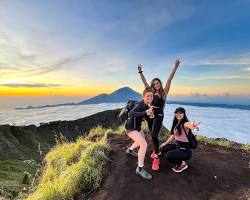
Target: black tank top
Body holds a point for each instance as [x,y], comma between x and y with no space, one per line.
[159,102]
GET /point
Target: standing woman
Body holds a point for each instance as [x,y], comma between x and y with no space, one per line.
[179,152]
[133,130]
[159,99]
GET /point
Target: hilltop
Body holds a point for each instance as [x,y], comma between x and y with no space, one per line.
[219,169]
[214,173]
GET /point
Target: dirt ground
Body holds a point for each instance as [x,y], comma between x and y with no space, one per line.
[213,173]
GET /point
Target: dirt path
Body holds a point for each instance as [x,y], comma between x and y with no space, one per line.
[213,173]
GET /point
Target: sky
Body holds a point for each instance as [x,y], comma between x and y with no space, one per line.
[64,51]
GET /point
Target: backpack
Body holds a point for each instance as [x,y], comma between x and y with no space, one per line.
[123,116]
[191,139]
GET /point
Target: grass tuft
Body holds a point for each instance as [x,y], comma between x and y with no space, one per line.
[71,168]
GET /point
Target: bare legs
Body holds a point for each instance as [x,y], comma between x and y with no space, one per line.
[139,141]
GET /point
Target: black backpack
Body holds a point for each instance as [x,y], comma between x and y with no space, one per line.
[191,139]
[125,110]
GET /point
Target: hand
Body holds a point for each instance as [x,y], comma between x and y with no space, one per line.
[149,111]
[162,145]
[139,68]
[195,125]
[152,116]
[177,62]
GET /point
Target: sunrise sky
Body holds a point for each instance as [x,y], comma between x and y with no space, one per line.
[70,50]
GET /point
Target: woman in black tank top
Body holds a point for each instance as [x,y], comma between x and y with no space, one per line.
[159,100]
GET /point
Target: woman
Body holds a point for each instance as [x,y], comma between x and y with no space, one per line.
[180,152]
[133,129]
[159,99]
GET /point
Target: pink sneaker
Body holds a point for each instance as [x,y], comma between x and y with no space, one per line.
[155,165]
[180,168]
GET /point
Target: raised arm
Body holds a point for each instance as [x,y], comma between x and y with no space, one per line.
[168,83]
[142,76]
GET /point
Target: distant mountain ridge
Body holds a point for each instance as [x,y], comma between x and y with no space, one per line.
[121,95]
[217,105]
[118,96]
[126,93]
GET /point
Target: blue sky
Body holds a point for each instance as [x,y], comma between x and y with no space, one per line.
[82,48]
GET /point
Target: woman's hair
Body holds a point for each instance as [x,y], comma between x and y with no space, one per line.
[147,89]
[178,125]
[161,90]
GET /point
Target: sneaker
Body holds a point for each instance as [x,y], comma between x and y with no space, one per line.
[131,153]
[180,168]
[143,173]
[155,165]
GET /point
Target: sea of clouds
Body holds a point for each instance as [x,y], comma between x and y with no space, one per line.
[233,124]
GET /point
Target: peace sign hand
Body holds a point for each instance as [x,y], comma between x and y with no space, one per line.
[177,62]
[139,67]
[196,125]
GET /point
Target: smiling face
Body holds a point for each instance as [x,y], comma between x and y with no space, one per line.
[148,97]
[179,115]
[156,84]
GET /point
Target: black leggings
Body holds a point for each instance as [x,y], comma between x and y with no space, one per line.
[154,126]
[176,155]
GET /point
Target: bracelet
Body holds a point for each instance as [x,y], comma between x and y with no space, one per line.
[140,72]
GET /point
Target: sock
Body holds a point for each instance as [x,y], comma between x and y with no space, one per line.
[140,167]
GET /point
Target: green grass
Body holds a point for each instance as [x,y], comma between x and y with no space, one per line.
[71,168]
[222,142]
[100,132]
[11,176]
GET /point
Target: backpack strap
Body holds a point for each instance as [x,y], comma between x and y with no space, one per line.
[185,131]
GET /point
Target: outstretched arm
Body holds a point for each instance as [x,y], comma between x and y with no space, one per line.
[168,83]
[142,76]
[192,125]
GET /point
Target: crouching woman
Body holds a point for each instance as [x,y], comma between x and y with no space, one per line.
[179,152]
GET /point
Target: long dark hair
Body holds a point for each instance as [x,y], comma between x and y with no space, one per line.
[179,125]
[161,91]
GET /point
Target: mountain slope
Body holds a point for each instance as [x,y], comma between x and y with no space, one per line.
[23,142]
